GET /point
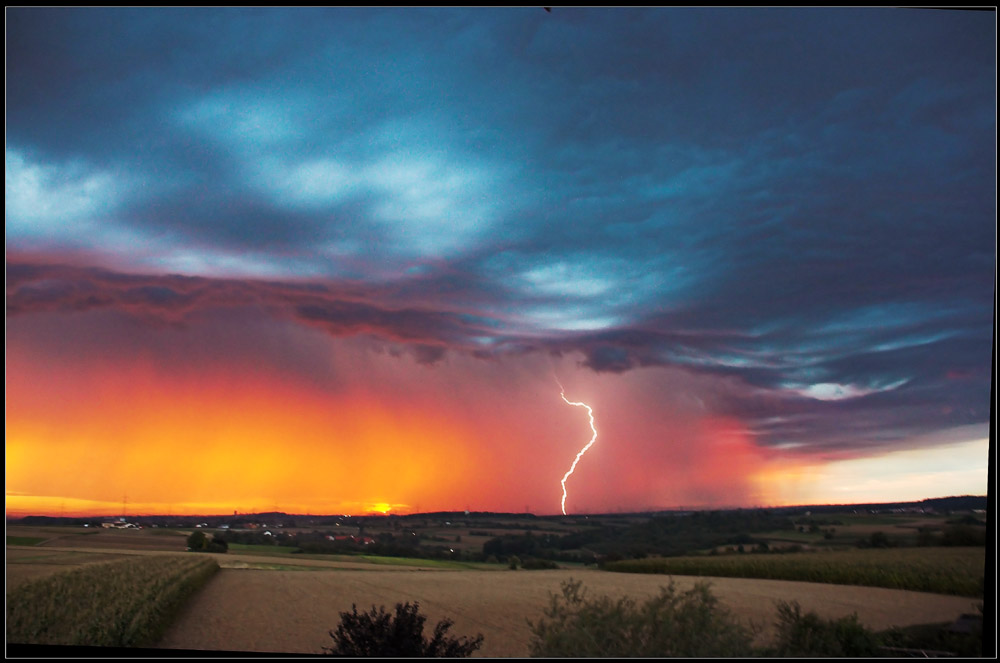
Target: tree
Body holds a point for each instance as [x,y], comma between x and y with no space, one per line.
[964,535]
[197,540]
[879,540]
[217,545]
[377,633]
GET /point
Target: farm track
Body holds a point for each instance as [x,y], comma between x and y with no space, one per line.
[293,611]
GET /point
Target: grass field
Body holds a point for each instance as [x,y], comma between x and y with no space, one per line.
[123,603]
[24,540]
[288,553]
[261,549]
[420,563]
[958,571]
[846,529]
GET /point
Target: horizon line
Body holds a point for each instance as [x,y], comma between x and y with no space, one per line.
[11,516]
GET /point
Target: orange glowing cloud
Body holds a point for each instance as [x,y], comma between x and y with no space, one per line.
[229,414]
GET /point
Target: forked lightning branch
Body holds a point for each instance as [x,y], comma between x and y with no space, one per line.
[582,451]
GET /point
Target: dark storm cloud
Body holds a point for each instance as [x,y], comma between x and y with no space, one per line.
[801,200]
[341,311]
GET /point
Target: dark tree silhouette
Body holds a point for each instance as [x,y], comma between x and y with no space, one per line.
[196,541]
[377,633]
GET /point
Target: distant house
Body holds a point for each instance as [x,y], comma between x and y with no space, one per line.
[366,540]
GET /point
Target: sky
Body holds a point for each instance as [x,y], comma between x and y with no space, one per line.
[350,260]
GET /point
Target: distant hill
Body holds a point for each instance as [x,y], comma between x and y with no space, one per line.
[954,503]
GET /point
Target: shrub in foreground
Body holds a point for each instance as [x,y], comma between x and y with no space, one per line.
[937,639]
[670,624]
[691,624]
[809,635]
[377,633]
[126,603]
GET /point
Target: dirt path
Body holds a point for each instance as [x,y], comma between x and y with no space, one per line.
[293,611]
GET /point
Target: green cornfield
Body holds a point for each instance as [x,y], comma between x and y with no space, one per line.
[125,603]
[958,571]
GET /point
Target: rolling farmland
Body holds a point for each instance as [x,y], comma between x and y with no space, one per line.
[289,603]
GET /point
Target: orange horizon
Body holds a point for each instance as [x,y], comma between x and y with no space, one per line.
[86,433]
[374,510]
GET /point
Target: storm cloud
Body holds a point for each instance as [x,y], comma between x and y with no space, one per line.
[793,208]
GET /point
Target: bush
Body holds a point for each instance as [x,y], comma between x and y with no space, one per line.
[377,633]
[876,540]
[198,542]
[684,624]
[879,540]
[964,535]
[936,639]
[513,562]
[809,635]
[217,545]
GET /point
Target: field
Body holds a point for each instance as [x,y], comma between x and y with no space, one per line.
[271,601]
[290,611]
[957,571]
[125,602]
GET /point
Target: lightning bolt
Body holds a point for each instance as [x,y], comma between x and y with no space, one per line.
[590,412]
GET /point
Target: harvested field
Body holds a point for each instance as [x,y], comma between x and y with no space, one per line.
[96,537]
[136,540]
[293,611]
